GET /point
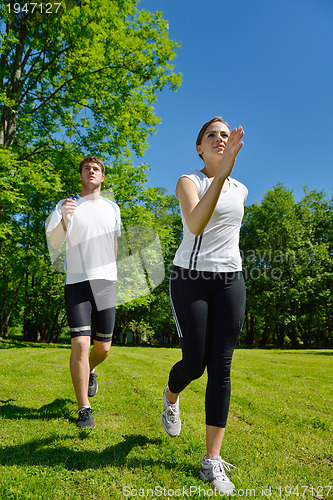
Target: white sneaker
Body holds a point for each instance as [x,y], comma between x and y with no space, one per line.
[212,470]
[170,417]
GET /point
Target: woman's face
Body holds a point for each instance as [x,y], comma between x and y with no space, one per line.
[214,140]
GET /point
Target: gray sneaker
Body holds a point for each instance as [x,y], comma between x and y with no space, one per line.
[85,418]
[212,470]
[170,417]
[93,386]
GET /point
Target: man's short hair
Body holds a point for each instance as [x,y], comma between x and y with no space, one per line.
[92,159]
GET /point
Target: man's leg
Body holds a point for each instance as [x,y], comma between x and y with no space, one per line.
[79,365]
[98,353]
[103,319]
[78,309]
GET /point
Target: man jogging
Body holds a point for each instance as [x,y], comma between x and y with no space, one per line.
[89,225]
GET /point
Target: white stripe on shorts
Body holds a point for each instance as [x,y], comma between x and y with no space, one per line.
[80,329]
[103,335]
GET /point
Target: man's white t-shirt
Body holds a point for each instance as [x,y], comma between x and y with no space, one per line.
[216,249]
[90,244]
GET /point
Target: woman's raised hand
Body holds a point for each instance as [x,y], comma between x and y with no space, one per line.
[231,151]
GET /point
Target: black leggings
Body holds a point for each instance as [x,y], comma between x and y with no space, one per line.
[209,311]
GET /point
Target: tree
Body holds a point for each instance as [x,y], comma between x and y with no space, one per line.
[91,72]
[80,80]
[288,266]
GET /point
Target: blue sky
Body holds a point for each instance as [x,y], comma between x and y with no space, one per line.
[261,64]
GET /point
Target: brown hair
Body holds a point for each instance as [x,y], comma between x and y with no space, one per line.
[205,126]
[92,159]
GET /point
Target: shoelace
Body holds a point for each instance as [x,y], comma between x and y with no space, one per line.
[226,465]
[85,413]
[172,414]
[218,469]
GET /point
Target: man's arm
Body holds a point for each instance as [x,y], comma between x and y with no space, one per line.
[58,235]
[115,247]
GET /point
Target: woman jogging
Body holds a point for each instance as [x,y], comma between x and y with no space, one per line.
[207,289]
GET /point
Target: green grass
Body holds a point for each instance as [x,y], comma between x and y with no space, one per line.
[279,433]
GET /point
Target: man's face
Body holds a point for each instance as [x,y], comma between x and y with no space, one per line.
[91,175]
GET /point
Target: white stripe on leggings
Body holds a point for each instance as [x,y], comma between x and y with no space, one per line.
[180,335]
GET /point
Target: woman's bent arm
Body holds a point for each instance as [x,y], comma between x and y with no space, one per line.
[197,212]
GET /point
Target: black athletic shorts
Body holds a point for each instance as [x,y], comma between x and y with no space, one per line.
[90,308]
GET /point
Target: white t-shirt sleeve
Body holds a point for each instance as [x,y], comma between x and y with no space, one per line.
[53,220]
[197,181]
[117,229]
[244,191]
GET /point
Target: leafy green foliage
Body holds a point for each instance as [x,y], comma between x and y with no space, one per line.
[288,264]
[82,80]
[90,73]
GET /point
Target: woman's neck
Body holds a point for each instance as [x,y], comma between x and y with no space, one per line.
[210,170]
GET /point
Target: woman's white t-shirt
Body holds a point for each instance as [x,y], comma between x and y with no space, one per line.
[216,249]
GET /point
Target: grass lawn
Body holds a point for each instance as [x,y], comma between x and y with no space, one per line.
[279,434]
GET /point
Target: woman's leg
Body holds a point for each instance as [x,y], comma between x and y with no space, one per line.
[190,307]
[227,308]
[189,304]
[214,438]
[226,312]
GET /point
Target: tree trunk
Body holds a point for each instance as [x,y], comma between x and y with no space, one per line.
[8,125]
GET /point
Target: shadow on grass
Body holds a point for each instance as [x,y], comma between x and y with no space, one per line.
[60,408]
[11,344]
[329,352]
[322,353]
[52,452]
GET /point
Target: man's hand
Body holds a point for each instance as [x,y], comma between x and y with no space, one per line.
[67,209]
